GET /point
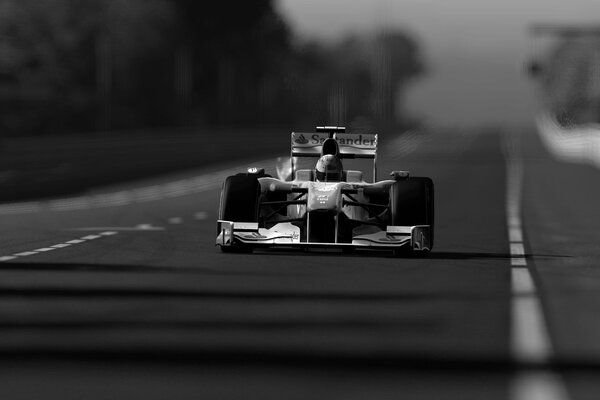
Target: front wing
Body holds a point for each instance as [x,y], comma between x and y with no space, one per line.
[230,233]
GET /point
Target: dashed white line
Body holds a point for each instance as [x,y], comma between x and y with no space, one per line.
[112,230]
[91,237]
[201,215]
[25,254]
[75,241]
[148,227]
[56,246]
[61,245]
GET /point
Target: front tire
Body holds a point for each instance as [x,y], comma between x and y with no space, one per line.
[412,203]
[240,197]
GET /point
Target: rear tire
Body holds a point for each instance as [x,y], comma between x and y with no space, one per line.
[412,203]
[240,196]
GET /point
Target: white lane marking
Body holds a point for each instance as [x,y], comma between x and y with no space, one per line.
[518,262]
[517,250]
[25,254]
[515,234]
[517,255]
[75,241]
[57,246]
[91,237]
[148,227]
[538,385]
[532,344]
[530,341]
[179,188]
[521,282]
[200,216]
[114,229]
[175,220]
[514,222]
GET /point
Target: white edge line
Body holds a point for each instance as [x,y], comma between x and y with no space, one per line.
[531,344]
[517,250]
[530,341]
[537,385]
[521,282]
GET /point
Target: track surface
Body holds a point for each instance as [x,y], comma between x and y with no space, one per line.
[134,301]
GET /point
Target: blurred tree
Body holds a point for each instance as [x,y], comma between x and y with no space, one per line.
[395,60]
[72,65]
[238,53]
[570,81]
[60,55]
[359,77]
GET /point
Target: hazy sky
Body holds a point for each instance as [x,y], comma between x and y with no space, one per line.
[474,49]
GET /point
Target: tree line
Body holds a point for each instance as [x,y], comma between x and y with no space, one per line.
[76,66]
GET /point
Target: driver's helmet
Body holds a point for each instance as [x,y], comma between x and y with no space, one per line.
[329,169]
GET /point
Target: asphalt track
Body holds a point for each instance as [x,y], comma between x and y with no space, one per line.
[122,294]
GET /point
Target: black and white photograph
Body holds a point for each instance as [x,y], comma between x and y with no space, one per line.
[300,199]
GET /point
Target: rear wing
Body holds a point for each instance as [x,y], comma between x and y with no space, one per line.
[351,145]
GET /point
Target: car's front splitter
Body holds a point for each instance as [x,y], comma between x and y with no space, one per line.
[230,233]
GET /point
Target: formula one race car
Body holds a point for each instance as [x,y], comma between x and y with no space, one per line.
[327,206]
